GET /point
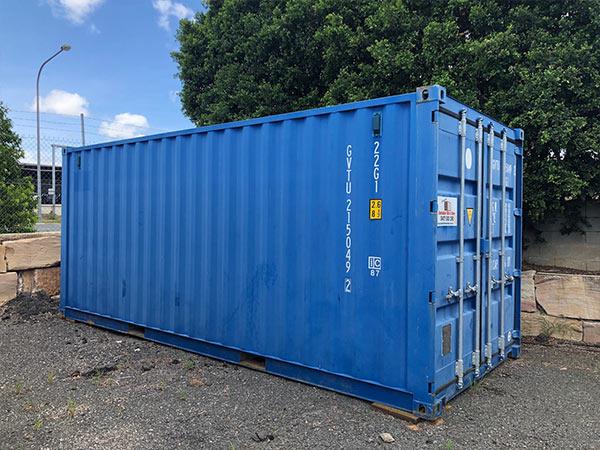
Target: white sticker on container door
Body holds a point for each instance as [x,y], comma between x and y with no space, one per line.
[508,172]
[468,158]
[446,215]
[508,218]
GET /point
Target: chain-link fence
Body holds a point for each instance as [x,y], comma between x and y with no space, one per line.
[30,188]
[49,174]
[20,210]
[23,181]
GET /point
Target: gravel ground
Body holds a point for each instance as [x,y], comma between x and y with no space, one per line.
[68,385]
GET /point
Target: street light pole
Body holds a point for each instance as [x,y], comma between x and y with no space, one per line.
[63,48]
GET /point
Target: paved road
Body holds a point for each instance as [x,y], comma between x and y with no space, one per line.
[47,227]
[69,385]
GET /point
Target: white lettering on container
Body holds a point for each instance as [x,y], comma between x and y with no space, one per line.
[376,166]
[348,232]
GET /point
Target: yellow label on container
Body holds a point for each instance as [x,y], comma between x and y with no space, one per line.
[470,215]
[375,209]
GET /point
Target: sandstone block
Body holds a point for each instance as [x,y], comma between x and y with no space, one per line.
[8,287]
[528,291]
[536,324]
[33,253]
[25,282]
[48,280]
[16,236]
[35,280]
[591,332]
[2,258]
[563,295]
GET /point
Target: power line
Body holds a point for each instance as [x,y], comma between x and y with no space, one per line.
[85,117]
[46,121]
[61,129]
[44,112]
[87,129]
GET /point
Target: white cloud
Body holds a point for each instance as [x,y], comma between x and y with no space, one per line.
[174,96]
[168,9]
[94,29]
[75,11]
[62,102]
[125,125]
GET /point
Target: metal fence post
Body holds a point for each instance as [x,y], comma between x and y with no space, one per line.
[39,152]
[53,181]
[82,130]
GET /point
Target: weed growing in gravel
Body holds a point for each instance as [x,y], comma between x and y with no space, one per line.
[552,329]
[120,409]
[183,396]
[100,378]
[477,385]
[449,445]
[19,387]
[71,407]
[28,407]
[97,377]
[37,425]
[51,377]
[190,364]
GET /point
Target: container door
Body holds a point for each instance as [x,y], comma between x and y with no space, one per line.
[498,255]
[476,247]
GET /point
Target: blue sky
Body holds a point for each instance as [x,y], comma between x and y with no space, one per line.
[119,71]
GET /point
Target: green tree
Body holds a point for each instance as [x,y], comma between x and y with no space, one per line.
[17,203]
[533,64]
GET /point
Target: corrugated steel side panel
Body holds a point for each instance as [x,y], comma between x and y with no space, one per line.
[237,236]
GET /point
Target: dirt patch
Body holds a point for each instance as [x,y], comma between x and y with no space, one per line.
[99,371]
[547,341]
[564,270]
[27,306]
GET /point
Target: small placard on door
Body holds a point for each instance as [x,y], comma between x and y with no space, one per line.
[446,339]
[446,215]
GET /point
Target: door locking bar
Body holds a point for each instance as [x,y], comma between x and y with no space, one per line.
[476,357]
[462,133]
[502,241]
[490,237]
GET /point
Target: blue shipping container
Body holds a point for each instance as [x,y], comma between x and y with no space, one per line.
[372,248]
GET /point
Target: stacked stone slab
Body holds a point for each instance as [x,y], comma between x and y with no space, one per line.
[564,306]
[29,263]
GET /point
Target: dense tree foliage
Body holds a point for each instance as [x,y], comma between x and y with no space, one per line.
[17,203]
[534,64]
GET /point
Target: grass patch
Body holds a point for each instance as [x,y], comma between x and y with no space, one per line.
[558,329]
[71,408]
[189,364]
[29,407]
